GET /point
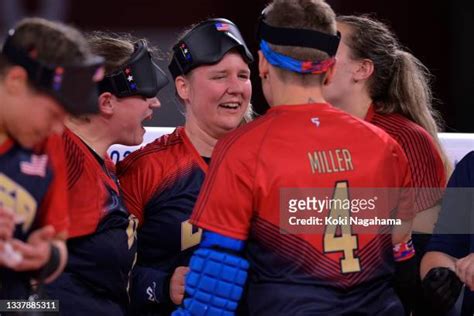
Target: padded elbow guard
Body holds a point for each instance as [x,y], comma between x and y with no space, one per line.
[216,277]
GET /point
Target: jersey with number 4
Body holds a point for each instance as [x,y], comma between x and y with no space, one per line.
[330,155]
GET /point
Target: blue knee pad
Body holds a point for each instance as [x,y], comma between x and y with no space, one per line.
[214,283]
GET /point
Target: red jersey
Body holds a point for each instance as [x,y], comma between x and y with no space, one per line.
[164,163]
[160,184]
[91,185]
[426,165]
[303,146]
[102,243]
[55,205]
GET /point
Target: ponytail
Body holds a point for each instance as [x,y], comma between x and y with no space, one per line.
[409,94]
[400,82]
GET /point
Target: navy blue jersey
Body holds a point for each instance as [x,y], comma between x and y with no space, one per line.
[161,183]
[102,245]
[32,184]
[454,231]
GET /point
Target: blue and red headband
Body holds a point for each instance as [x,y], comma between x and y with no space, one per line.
[300,38]
[305,67]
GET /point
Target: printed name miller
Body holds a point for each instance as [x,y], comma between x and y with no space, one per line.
[330,161]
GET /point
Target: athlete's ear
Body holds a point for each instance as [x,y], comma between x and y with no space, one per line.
[182,87]
[106,106]
[329,74]
[363,70]
[15,80]
[263,68]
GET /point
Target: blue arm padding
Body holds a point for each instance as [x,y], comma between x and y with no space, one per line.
[215,281]
[211,240]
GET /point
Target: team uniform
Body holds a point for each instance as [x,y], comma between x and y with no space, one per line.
[32,184]
[426,164]
[160,184]
[454,231]
[428,176]
[300,146]
[102,244]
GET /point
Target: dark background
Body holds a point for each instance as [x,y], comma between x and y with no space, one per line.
[439,33]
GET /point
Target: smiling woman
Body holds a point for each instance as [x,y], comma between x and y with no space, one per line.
[161,182]
[216,98]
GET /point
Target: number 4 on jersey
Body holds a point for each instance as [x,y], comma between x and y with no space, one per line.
[343,241]
[190,235]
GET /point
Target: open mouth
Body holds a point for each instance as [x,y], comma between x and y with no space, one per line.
[147,118]
[230,105]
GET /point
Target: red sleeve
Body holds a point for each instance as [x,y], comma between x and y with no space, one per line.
[137,178]
[225,204]
[406,201]
[54,208]
[426,166]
